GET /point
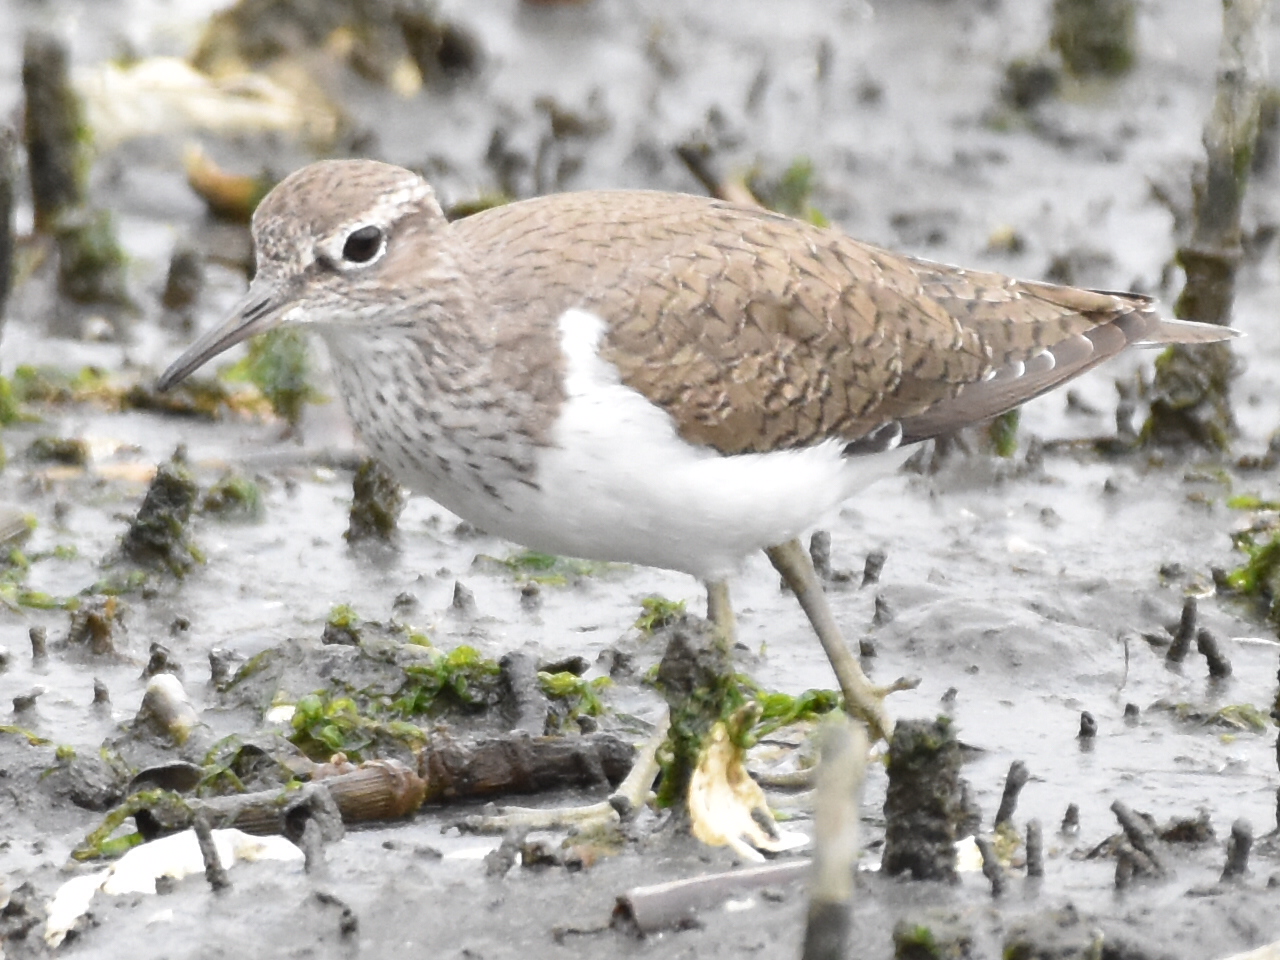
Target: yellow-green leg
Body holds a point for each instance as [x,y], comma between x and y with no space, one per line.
[720,612]
[861,698]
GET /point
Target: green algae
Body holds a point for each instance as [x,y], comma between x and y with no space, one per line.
[657,612]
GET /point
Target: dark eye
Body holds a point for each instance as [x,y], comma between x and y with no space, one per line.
[362,245]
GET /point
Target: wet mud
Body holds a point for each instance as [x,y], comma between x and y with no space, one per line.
[1026,592]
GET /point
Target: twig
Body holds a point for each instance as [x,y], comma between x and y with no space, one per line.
[1213,252]
[1238,846]
[991,867]
[1013,784]
[1177,651]
[630,795]
[1140,836]
[1035,849]
[835,843]
[214,871]
[1191,391]
[1207,644]
[697,158]
[39,644]
[666,905]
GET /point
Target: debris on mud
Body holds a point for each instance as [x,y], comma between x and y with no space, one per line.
[675,905]
[140,869]
[98,624]
[1028,81]
[531,566]
[8,201]
[790,192]
[1095,37]
[726,807]
[55,135]
[167,710]
[377,502]
[158,536]
[372,790]
[228,196]
[836,839]
[516,763]
[91,263]
[1191,401]
[183,283]
[657,613]
[1259,575]
[69,451]
[233,497]
[923,804]
[1003,433]
[696,679]
[402,45]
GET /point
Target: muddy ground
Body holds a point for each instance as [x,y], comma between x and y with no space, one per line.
[1020,590]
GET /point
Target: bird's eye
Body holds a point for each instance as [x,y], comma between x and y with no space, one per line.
[362,245]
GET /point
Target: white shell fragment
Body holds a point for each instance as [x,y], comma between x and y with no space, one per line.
[281,713]
[167,703]
[137,871]
[968,856]
[727,807]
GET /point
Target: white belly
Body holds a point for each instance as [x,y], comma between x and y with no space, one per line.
[618,482]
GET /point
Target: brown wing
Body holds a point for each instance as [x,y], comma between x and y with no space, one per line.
[756,332]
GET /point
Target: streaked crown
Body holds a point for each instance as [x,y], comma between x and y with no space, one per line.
[335,227]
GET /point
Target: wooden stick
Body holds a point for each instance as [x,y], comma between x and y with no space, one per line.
[835,844]
[666,905]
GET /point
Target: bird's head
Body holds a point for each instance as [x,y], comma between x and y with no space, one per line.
[337,243]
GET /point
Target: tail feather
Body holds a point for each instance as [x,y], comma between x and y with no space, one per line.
[1162,331]
[1020,381]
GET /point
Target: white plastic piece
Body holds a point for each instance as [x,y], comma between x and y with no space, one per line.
[137,871]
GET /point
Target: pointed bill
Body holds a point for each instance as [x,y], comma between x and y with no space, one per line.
[262,308]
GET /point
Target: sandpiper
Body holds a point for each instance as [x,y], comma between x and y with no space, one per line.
[649,377]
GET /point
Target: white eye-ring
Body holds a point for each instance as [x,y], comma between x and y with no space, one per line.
[363,244]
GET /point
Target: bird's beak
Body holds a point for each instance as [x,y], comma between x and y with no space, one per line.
[261,309]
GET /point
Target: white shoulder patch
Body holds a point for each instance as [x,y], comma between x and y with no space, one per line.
[618,482]
[580,333]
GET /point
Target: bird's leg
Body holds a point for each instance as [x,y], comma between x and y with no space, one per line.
[860,697]
[720,612]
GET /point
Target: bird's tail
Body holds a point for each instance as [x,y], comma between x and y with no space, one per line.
[1158,331]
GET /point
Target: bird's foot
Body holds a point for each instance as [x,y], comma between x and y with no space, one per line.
[899,685]
[865,700]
